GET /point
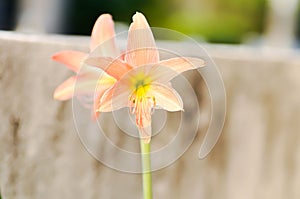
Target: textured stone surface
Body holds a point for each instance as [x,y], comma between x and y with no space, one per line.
[257,156]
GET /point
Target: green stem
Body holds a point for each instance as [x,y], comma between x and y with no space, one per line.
[146,163]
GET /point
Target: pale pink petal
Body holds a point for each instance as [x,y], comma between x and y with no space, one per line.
[95,115]
[159,73]
[142,111]
[116,68]
[165,97]
[83,84]
[145,130]
[182,64]
[141,48]
[166,70]
[103,33]
[115,98]
[153,72]
[72,59]
[89,72]
[96,106]
[65,90]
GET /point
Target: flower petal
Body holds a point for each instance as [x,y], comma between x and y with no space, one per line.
[166,70]
[65,90]
[103,33]
[182,64]
[105,102]
[166,97]
[146,130]
[141,48]
[72,59]
[88,83]
[115,68]
[115,98]
[96,105]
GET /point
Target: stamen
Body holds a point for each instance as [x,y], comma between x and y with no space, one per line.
[154,104]
[141,105]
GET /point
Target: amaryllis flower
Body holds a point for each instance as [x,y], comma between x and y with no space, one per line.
[141,79]
[103,33]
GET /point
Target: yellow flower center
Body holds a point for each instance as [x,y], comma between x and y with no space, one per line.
[140,83]
[140,102]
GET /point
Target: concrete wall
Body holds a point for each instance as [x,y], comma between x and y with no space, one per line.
[257,156]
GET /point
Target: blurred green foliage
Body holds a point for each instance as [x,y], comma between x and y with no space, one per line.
[221,21]
[82,14]
[298,24]
[213,20]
